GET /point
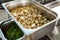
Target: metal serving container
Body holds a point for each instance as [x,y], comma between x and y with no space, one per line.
[40,31]
[44,1]
[53,4]
[4,28]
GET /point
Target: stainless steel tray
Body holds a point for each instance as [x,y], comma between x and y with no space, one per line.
[5,26]
[53,4]
[50,14]
[44,1]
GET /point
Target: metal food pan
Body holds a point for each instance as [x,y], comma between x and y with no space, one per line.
[50,14]
[4,28]
[45,1]
[53,4]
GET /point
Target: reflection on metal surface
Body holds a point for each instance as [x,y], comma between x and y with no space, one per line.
[53,4]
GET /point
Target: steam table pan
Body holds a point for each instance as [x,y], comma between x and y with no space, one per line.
[40,31]
[7,26]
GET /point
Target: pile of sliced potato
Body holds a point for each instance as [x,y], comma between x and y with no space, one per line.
[29,17]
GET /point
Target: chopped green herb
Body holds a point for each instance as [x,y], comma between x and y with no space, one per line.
[13,32]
